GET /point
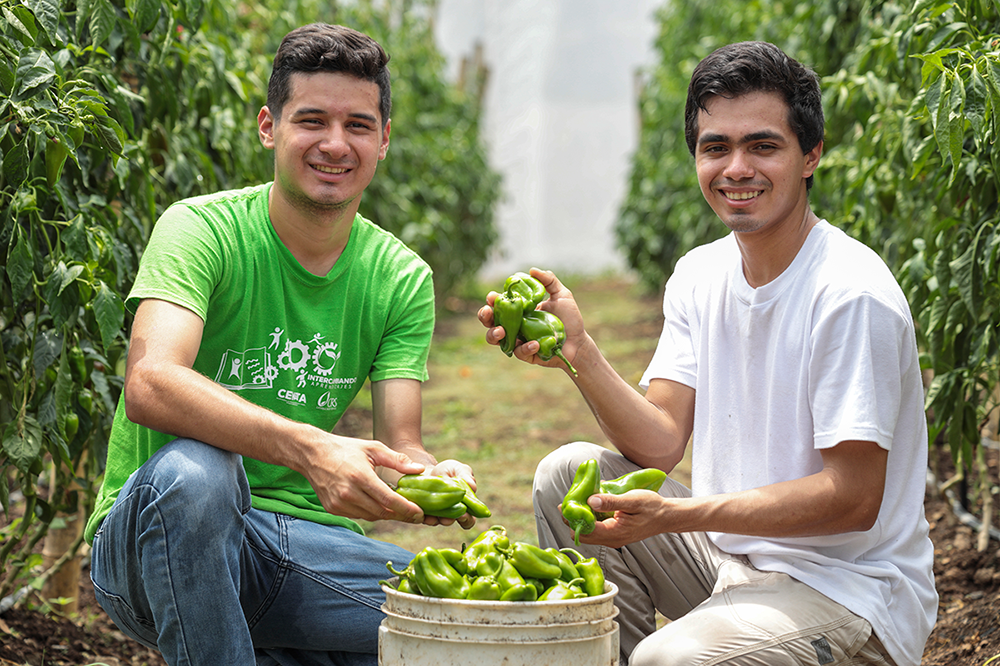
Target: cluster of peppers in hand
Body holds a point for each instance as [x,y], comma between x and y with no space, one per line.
[514,310]
[492,568]
[442,496]
[587,481]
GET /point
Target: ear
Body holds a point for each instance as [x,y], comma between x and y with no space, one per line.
[812,160]
[265,127]
[384,148]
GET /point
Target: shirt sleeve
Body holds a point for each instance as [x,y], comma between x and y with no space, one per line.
[860,351]
[674,357]
[181,264]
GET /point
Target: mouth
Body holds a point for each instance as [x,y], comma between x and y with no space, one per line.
[328,169]
[742,196]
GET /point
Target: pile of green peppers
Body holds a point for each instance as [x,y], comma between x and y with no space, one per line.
[442,496]
[587,481]
[493,568]
[514,310]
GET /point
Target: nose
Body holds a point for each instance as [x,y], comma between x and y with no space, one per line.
[334,141]
[739,166]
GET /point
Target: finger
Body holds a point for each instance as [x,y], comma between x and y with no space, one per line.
[485,316]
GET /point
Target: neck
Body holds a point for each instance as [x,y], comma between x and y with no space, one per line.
[768,252]
[315,235]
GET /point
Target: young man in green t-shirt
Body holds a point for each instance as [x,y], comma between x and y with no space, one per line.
[224,529]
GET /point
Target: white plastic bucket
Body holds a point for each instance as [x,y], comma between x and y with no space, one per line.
[426,631]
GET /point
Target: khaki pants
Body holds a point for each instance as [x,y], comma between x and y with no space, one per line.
[722,609]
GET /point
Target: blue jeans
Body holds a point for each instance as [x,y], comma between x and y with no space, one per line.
[183,564]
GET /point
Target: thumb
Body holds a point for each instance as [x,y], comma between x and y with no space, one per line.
[385,457]
[601,502]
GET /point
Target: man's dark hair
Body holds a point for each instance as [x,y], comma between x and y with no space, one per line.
[749,67]
[320,47]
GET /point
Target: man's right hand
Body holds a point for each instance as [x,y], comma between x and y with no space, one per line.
[560,303]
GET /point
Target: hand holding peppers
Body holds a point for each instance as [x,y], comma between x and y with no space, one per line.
[442,496]
[515,311]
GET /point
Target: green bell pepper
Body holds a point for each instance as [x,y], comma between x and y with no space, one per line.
[528,288]
[550,333]
[487,542]
[641,479]
[575,509]
[455,559]
[566,565]
[563,589]
[430,493]
[485,588]
[436,578]
[522,592]
[590,571]
[475,506]
[508,312]
[441,496]
[533,562]
[406,581]
[508,576]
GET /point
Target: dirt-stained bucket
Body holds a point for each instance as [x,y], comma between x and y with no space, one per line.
[425,631]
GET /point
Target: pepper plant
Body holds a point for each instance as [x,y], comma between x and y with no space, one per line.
[110,110]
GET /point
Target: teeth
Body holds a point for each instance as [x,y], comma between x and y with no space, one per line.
[326,169]
[742,196]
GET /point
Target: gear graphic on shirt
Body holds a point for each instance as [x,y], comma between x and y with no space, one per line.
[326,353]
[285,358]
[270,373]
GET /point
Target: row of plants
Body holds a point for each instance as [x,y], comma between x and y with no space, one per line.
[912,97]
[110,110]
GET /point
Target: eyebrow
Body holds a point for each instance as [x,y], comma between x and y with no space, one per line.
[322,112]
[765,135]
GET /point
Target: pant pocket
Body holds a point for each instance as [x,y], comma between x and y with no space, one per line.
[133,626]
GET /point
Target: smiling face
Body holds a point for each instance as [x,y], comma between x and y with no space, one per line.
[750,167]
[327,142]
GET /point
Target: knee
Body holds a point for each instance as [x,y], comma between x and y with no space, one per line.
[560,465]
[197,472]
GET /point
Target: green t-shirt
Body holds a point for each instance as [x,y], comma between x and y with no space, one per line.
[298,344]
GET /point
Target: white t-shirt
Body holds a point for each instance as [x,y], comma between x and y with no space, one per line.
[823,354]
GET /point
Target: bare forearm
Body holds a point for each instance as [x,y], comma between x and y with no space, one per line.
[640,430]
[182,402]
[811,506]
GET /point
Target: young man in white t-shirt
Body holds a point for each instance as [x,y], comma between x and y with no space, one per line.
[788,360]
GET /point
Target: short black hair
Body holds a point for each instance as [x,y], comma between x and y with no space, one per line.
[321,47]
[748,67]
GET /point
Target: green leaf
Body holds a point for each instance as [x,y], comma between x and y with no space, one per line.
[23,447]
[15,22]
[144,13]
[15,164]
[110,134]
[47,14]
[48,347]
[975,103]
[20,266]
[110,313]
[102,21]
[6,79]
[35,72]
